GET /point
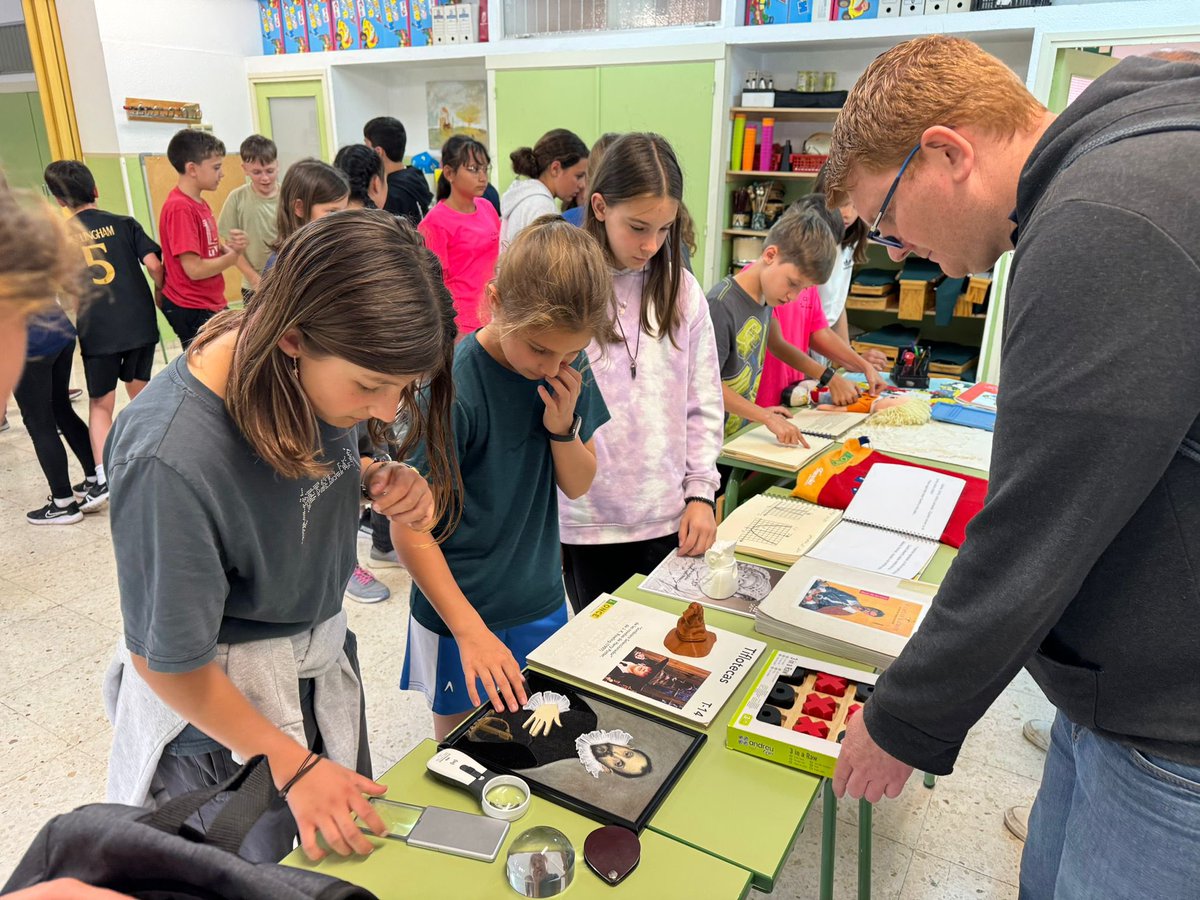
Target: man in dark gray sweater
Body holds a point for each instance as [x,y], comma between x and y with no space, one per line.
[1082,566]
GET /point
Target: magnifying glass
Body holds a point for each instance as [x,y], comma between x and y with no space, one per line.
[500,796]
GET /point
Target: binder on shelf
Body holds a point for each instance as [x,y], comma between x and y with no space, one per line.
[748,149]
[739,136]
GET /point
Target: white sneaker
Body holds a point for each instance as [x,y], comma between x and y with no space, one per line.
[1037,732]
[1016,820]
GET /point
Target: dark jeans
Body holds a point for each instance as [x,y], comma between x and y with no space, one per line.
[41,395]
[590,570]
[381,532]
[271,838]
[185,321]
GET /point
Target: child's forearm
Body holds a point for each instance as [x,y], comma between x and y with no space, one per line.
[427,565]
[574,466]
[198,269]
[250,273]
[208,699]
[788,353]
[828,344]
[737,405]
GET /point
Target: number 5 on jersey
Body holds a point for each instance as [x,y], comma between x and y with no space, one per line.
[106,267]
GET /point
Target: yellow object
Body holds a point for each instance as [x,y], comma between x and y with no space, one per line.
[913,411]
[54,84]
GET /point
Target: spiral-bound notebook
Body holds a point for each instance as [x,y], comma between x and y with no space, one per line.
[826,423]
[778,529]
[893,524]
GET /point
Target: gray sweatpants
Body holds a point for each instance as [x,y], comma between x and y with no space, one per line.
[274,835]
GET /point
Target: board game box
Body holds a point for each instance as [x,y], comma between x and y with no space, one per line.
[796,712]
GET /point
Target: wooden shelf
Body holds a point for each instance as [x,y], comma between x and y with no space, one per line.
[735,174]
[743,232]
[784,114]
[892,312]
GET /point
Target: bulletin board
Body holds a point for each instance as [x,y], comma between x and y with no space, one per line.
[161,178]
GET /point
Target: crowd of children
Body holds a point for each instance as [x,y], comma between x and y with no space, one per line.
[492,381]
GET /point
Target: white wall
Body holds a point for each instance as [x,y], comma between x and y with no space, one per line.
[363,92]
[179,50]
[88,72]
[10,11]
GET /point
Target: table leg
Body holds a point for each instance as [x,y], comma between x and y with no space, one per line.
[864,850]
[930,779]
[828,838]
[732,489]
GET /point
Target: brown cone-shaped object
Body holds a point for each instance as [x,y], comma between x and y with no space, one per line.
[690,637]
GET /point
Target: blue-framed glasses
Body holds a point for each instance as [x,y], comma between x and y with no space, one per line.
[886,239]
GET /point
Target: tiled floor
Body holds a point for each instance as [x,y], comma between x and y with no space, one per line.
[60,619]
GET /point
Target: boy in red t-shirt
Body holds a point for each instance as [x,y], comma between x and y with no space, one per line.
[193,254]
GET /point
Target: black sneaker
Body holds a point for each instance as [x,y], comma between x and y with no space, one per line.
[81,490]
[52,514]
[95,498]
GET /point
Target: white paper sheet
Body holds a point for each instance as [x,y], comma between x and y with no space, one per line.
[906,499]
[875,550]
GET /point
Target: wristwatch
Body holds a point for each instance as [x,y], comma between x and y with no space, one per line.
[572,432]
[827,376]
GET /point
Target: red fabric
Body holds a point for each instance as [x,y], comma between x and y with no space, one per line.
[188,226]
[843,482]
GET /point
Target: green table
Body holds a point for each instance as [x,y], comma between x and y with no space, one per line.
[743,810]
[669,870]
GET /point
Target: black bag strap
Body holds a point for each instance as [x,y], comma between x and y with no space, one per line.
[253,792]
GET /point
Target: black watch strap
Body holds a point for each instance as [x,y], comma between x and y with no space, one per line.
[827,376]
[572,432]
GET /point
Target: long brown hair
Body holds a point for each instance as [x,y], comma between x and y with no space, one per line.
[311,182]
[640,164]
[361,286]
[555,275]
[39,258]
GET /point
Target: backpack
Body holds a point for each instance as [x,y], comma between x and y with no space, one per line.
[155,855]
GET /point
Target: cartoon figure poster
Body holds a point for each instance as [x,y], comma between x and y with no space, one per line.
[321,29]
[345,25]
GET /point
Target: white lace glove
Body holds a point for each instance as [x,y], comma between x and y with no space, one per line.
[547,707]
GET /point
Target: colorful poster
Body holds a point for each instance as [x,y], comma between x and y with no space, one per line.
[345,25]
[321,28]
[295,27]
[456,107]
[271,23]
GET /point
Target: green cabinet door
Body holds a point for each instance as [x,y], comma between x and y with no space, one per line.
[530,102]
[676,101]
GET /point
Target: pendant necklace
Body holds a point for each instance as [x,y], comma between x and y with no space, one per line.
[638,346]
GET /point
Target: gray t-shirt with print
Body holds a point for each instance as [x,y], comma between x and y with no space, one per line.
[212,545]
[740,325]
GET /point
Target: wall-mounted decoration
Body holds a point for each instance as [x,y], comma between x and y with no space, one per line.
[456,107]
[173,111]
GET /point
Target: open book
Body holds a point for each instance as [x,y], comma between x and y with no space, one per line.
[618,646]
[761,447]
[778,529]
[848,612]
[894,522]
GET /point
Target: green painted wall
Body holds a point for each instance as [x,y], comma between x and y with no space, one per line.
[24,149]
[592,100]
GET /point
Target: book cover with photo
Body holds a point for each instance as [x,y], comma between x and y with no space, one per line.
[864,616]
[618,646]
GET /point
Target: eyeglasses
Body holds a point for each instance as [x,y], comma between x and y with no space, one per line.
[478,170]
[888,240]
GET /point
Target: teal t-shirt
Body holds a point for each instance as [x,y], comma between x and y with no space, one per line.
[505,552]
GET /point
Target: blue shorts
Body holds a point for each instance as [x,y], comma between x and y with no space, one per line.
[433,667]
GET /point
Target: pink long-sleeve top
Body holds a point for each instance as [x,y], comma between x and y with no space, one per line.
[662,442]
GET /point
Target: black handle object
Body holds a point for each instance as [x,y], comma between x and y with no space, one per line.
[254,791]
